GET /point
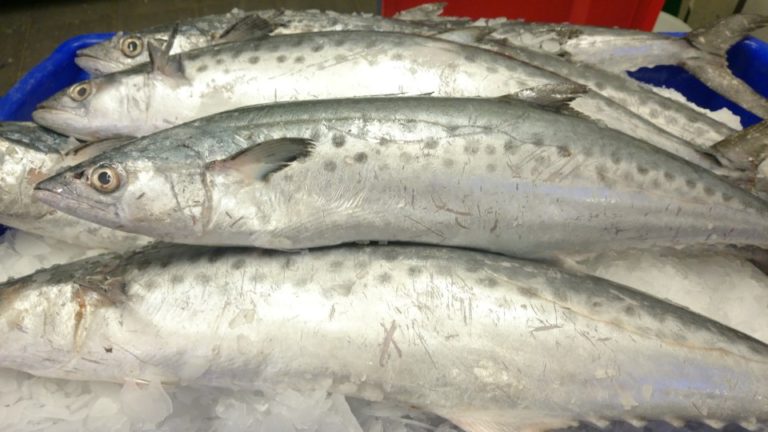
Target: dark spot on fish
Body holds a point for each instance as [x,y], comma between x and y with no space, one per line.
[215,255]
[615,158]
[727,197]
[471,149]
[470,57]
[690,184]
[708,191]
[397,57]
[510,147]
[489,282]
[384,278]
[108,350]
[317,48]
[202,278]
[299,59]
[630,311]
[253,59]
[219,61]
[414,271]
[448,162]
[202,68]
[490,168]
[602,173]
[177,278]
[336,264]
[597,304]
[282,58]
[361,157]
[143,264]
[668,176]
[538,140]
[492,69]
[338,140]
[339,42]
[655,183]
[329,166]
[298,41]
[431,144]
[642,170]
[238,264]
[490,150]
[563,151]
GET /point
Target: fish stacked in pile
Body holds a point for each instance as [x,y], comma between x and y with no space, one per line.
[416,198]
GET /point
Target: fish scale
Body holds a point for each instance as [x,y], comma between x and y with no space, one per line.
[500,175]
[386,322]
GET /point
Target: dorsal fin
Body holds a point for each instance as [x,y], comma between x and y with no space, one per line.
[426,11]
[160,57]
[718,37]
[248,27]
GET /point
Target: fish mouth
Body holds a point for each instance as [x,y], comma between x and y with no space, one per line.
[63,197]
[59,120]
[95,65]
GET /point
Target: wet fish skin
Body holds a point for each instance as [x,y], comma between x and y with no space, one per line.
[280,68]
[301,66]
[30,153]
[476,338]
[503,175]
[107,57]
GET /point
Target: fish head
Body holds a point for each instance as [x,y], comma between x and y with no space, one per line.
[96,109]
[130,191]
[122,51]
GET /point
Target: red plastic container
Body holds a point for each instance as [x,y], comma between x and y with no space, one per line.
[631,14]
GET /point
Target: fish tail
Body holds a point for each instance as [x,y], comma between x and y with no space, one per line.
[724,33]
[744,150]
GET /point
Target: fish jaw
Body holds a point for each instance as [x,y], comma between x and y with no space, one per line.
[64,121]
[76,198]
[97,66]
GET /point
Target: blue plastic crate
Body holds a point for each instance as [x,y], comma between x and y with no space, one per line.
[748,60]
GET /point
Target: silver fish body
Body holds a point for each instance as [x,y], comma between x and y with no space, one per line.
[30,153]
[489,343]
[500,175]
[116,54]
[335,65]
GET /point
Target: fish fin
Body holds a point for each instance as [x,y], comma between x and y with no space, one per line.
[556,96]
[491,422]
[265,158]
[465,35]
[422,12]
[248,27]
[160,57]
[745,149]
[714,72]
[718,37]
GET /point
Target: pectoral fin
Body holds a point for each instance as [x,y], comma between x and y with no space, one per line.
[265,158]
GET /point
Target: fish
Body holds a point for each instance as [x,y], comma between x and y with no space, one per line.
[702,52]
[501,175]
[183,87]
[485,341]
[128,49]
[31,153]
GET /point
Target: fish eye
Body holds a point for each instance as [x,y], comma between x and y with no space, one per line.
[79,92]
[104,178]
[131,46]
